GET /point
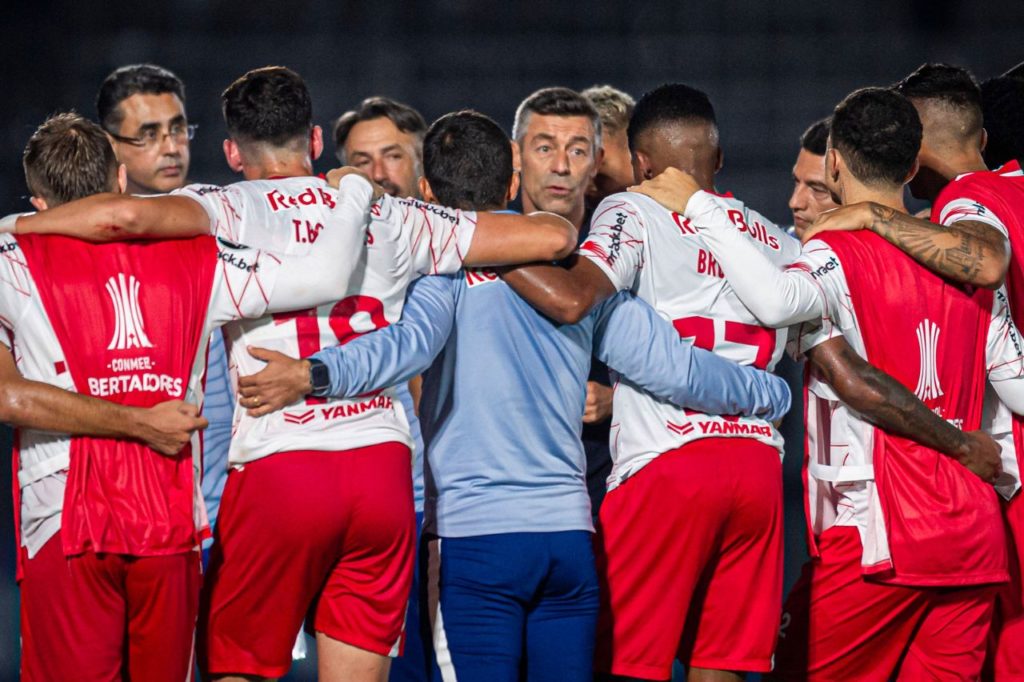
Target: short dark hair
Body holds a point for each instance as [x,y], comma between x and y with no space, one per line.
[134,79]
[815,138]
[555,102]
[878,132]
[68,157]
[405,118]
[467,159]
[1002,100]
[270,105]
[954,86]
[669,103]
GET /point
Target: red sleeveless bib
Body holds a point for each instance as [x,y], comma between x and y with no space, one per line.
[129,318]
[943,523]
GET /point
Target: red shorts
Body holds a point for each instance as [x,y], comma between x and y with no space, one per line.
[1006,644]
[81,617]
[838,626]
[327,533]
[689,552]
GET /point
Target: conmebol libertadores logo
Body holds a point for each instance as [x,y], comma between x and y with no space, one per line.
[928,386]
[129,330]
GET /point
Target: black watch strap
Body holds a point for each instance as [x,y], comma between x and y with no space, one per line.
[319,378]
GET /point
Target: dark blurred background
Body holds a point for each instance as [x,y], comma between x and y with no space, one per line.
[771,68]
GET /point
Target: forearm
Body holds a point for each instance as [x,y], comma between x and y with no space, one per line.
[564,294]
[882,400]
[399,352]
[672,369]
[778,298]
[967,251]
[506,238]
[35,405]
[113,217]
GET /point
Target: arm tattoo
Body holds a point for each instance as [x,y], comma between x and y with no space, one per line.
[883,400]
[960,252]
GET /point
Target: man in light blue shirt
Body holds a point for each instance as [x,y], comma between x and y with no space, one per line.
[513,587]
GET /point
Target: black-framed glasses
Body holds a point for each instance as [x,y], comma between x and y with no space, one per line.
[151,137]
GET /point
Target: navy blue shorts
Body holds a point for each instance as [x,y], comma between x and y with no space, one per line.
[513,606]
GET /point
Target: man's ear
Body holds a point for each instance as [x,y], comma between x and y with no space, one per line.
[598,160]
[233,155]
[513,187]
[913,171]
[38,203]
[316,142]
[426,192]
[517,156]
[984,140]
[721,160]
[832,163]
[642,167]
[122,178]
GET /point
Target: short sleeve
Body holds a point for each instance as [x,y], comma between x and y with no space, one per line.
[615,242]
[821,266]
[225,207]
[965,208]
[438,237]
[1004,354]
[243,282]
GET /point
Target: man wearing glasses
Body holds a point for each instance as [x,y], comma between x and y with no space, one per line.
[142,108]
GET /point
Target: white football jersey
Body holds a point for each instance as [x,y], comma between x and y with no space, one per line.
[406,239]
[662,258]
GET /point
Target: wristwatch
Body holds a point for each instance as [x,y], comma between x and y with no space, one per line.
[319,378]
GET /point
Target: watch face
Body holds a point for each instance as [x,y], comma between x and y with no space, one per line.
[320,377]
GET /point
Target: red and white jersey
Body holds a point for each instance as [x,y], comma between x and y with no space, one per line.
[662,258]
[406,239]
[242,282]
[842,447]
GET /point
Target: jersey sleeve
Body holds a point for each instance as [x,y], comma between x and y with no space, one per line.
[243,282]
[819,267]
[225,207]
[777,297]
[615,242]
[15,287]
[438,238]
[971,208]
[1004,354]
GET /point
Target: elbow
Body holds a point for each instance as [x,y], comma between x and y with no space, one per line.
[125,220]
[570,312]
[562,242]
[992,276]
[773,318]
[9,405]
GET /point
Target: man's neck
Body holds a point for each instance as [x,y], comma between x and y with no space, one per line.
[575,216]
[283,164]
[856,193]
[953,164]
